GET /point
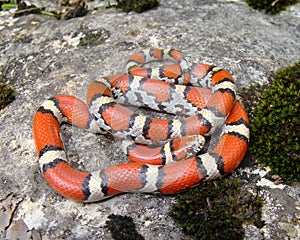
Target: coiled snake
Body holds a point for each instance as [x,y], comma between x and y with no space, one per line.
[165,154]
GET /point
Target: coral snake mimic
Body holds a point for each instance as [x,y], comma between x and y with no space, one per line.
[166,154]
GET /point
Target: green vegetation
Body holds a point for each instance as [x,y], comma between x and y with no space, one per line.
[23,8]
[271,6]
[7,4]
[136,5]
[275,128]
[7,95]
[77,10]
[217,210]
[122,228]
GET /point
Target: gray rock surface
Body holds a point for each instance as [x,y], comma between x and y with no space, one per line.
[42,57]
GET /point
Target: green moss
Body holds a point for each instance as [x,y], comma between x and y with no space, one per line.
[7,95]
[271,6]
[275,128]
[122,228]
[136,5]
[217,210]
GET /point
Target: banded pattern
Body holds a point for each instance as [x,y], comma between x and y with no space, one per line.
[165,154]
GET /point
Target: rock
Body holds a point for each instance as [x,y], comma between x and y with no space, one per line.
[42,57]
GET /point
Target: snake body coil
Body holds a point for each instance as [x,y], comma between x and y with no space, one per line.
[165,154]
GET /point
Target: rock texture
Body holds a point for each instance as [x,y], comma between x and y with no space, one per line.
[42,57]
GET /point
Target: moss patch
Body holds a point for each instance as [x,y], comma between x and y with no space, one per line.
[271,6]
[122,228]
[217,210]
[275,128]
[136,5]
[7,95]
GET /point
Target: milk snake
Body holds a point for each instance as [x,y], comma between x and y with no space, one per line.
[165,154]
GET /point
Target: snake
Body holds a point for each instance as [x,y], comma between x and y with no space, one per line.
[167,149]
